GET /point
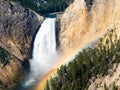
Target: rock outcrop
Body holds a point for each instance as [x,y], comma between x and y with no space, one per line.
[10,74]
[80,25]
[17,28]
[108,81]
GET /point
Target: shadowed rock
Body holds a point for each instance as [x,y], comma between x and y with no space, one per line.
[17,27]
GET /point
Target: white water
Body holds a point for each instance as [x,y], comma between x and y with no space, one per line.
[44,51]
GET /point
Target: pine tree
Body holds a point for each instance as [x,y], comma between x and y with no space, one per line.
[47,86]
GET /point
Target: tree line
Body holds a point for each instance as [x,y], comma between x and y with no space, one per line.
[92,62]
[4,56]
[45,6]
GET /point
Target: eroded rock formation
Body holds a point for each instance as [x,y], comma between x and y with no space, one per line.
[80,25]
[17,27]
[10,74]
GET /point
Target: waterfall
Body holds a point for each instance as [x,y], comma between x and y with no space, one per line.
[44,51]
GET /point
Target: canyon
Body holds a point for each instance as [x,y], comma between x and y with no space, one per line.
[80,25]
[17,29]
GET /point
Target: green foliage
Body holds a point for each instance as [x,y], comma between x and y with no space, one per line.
[89,3]
[87,64]
[4,56]
[105,87]
[114,87]
[45,6]
[47,86]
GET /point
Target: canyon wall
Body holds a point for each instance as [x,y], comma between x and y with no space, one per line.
[81,24]
[10,74]
[17,28]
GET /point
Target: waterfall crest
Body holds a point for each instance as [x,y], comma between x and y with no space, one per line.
[44,51]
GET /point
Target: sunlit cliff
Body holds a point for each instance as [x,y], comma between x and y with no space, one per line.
[81,24]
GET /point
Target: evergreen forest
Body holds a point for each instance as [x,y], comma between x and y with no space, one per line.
[4,56]
[44,7]
[90,63]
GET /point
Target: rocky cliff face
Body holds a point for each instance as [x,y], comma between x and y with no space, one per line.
[81,24]
[10,74]
[17,27]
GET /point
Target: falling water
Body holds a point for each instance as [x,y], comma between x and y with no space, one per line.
[44,53]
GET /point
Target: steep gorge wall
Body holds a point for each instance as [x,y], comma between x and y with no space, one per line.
[80,25]
[17,28]
[10,74]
